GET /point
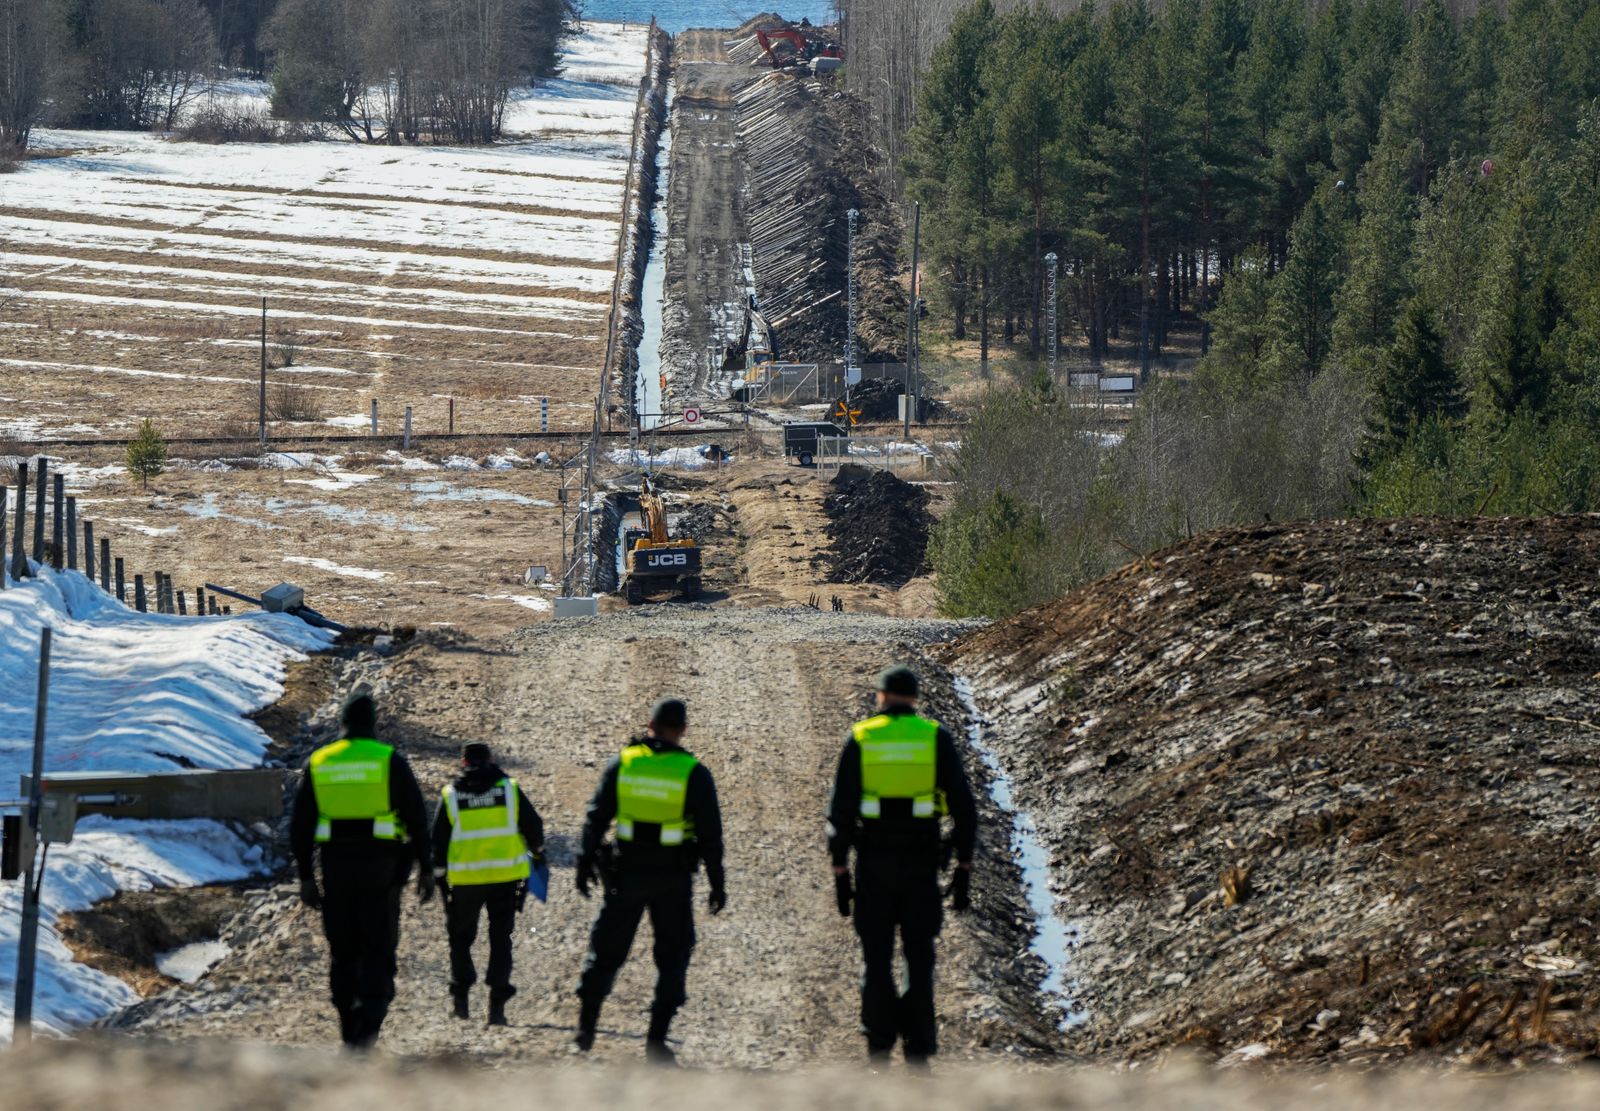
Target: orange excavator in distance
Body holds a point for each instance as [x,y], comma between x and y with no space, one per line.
[805,49]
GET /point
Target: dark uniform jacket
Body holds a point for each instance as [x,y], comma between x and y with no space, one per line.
[405,799]
[897,832]
[645,853]
[477,781]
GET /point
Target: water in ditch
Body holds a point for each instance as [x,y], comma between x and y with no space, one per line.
[1053,938]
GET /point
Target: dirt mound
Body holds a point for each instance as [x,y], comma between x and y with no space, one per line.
[879,526]
[879,400]
[1321,791]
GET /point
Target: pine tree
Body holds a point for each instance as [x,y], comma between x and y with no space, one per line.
[1301,311]
[1415,385]
[1517,311]
[1422,116]
[147,453]
[1377,37]
[1379,281]
[1239,323]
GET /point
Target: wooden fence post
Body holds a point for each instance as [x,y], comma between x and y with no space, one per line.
[200,601]
[105,565]
[5,492]
[88,550]
[140,601]
[407,444]
[41,487]
[374,416]
[19,555]
[183,607]
[58,520]
[72,534]
[122,584]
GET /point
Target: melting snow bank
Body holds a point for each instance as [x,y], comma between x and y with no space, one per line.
[1052,937]
[129,692]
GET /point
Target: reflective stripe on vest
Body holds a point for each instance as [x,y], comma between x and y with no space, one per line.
[653,787]
[899,760]
[485,843]
[350,780]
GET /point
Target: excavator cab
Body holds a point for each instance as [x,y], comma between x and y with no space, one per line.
[655,560]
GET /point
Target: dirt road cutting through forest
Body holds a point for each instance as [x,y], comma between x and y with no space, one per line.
[771,694]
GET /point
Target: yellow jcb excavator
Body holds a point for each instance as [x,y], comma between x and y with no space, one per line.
[653,558]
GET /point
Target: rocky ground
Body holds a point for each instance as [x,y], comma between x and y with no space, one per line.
[1321,792]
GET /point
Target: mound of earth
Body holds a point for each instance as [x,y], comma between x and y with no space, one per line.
[879,526]
[1322,791]
[878,399]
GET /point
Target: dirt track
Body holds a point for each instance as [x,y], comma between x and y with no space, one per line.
[704,309]
[773,983]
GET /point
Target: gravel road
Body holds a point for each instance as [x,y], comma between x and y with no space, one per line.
[771,693]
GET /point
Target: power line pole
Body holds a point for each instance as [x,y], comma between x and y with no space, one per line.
[913,379]
[262,411]
[1051,262]
[850,285]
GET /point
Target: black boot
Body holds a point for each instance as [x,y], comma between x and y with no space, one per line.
[458,1003]
[588,1021]
[497,1005]
[656,1050]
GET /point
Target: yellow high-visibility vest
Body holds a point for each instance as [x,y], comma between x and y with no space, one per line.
[350,780]
[485,844]
[653,787]
[899,760]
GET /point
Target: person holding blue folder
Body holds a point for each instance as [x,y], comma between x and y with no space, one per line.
[488,844]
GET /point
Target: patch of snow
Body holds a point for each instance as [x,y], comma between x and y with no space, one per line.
[140,527]
[129,692]
[188,963]
[527,601]
[336,569]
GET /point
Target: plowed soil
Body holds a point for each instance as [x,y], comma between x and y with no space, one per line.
[1321,792]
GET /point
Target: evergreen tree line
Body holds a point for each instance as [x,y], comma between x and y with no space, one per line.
[1394,210]
[389,70]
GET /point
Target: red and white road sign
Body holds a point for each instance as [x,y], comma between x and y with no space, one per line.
[691,416]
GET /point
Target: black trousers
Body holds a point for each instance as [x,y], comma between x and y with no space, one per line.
[361,919]
[468,902]
[897,894]
[669,899]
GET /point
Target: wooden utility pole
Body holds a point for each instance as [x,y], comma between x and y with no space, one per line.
[263,399]
[913,393]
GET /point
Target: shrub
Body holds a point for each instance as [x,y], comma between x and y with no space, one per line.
[147,453]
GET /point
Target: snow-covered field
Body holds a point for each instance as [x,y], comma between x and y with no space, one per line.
[132,266]
[136,693]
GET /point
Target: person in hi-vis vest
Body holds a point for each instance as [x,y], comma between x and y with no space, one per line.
[487,839]
[899,775]
[360,809]
[664,803]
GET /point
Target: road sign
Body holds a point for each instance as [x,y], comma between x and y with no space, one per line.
[691,416]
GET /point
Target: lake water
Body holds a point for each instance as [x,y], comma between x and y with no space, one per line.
[676,15]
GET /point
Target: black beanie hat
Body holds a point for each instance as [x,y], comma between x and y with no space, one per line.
[359,714]
[670,713]
[898,681]
[476,754]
